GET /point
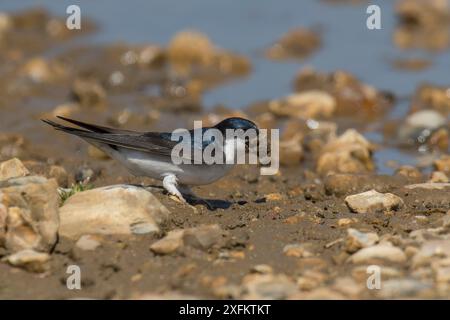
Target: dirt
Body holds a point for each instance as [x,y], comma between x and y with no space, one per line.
[261,214]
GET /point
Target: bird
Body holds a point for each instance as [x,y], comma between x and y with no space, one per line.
[150,154]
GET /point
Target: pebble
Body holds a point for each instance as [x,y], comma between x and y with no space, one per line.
[356,240]
[171,243]
[29,260]
[438,177]
[373,200]
[297,250]
[429,186]
[267,286]
[29,206]
[381,251]
[13,168]
[88,242]
[348,153]
[117,209]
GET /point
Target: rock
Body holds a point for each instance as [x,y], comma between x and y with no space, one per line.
[438,177]
[349,287]
[378,252]
[267,286]
[428,119]
[443,164]
[171,243]
[356,240]
[30,211]
[419,126]
[351,95]
[297,250]
[298,43]
[30,260]
[429,186]
[188,49]
[431,97]
[442,275]
[318,294]
[420,25]
[409,172]
[346,184]
[6,23]
[305,105]
[88,242]
[291,151]
[403,288]
[348,153]
[13,168]
[89,93]
[262,269]
[60,175]
[343,222]
[203,237]
[372,200]
[11,145]
[360,273]
[311,279]
[119,209]
[431,250]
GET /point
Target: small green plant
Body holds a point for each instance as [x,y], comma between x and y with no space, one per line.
[77,187]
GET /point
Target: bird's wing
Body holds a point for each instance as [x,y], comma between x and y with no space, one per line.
[97,128]
[151,142]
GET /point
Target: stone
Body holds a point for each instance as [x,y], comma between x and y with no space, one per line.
[262,269]
[297,250]
[341,184]
[439,177]
[373,200]
[360,273]
[348,153]
[318,294]
[89,93]
[357,240]
[171,243]
[429,186]
[430,250]
[203,237]
[298,43]
[443,164]
[305,105]
[88,242]
[190,48]
[29,206]
[403,288]
[378,252]
[311,279]
[291,151]
[13,168]
[429,119]
[267,286]
[30,260]
[117,209]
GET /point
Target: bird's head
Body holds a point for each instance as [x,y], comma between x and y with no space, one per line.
[245,130]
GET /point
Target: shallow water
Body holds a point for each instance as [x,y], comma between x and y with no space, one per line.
[248,27]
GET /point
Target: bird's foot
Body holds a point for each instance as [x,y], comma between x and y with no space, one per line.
[181,200]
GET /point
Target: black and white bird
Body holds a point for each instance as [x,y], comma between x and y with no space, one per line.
[149,154]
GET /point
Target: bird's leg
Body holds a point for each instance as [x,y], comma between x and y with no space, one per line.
[170,184]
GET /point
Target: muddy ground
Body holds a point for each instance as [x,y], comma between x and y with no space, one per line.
[303,205]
